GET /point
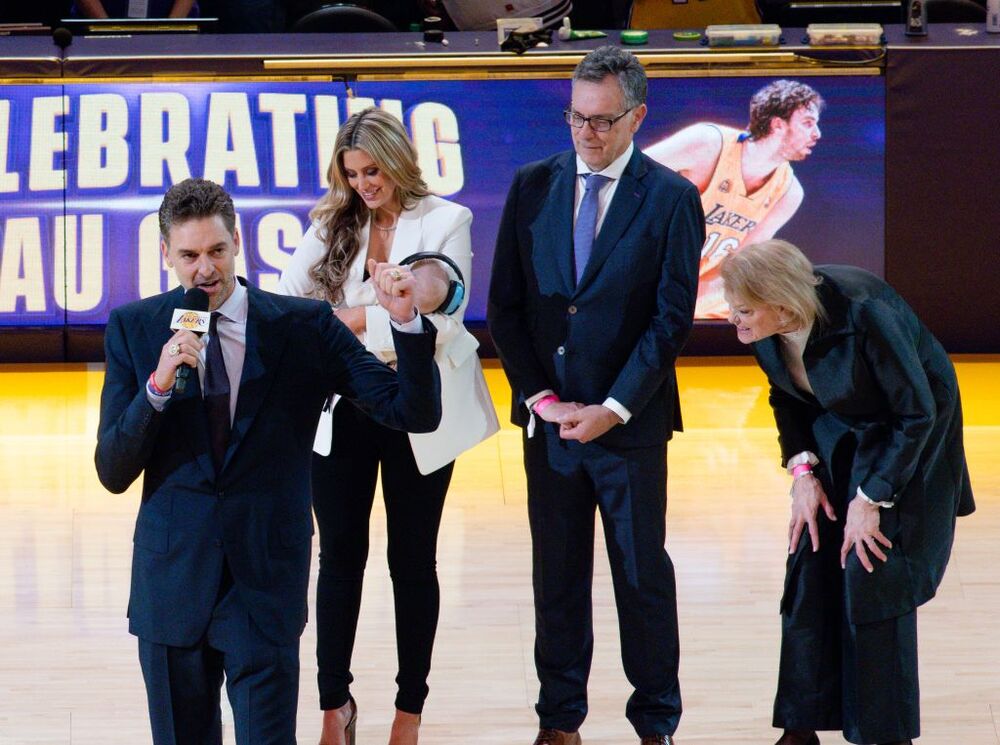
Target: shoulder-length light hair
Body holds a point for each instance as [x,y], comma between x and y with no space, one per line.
[341,214]
[775,273]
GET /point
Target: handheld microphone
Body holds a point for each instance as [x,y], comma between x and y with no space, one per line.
[993,16]
[193,315]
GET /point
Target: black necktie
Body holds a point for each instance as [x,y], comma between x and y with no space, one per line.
[216,395]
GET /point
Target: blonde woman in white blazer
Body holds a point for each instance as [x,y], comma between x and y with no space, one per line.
[378,210]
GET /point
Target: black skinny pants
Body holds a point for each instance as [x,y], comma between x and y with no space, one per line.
[343,493]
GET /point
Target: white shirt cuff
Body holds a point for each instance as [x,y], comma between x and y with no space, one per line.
[869,500]
[530,402]
[803,458]
[157,401]
[623,413]
[413,326]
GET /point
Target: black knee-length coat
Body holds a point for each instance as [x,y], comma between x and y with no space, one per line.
[885,415]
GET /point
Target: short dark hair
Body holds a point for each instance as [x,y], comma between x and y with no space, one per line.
[194,198]
[781,99]
[622,64]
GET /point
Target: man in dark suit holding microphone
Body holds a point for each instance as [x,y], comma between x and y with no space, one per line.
[592,297]
[220,564]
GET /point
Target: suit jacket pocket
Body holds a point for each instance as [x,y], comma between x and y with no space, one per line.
[888,591]
[458,350]
[294,533]
[151,537]
[793,568]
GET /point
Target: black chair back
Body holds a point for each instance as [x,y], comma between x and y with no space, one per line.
[342,18]
[955,11]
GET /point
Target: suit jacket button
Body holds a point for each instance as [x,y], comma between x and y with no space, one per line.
[221,495]
[561,350]
[572,310]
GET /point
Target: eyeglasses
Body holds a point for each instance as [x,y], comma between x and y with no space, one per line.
[597,123]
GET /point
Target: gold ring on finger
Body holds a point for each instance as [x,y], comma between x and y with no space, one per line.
[175,349]
[395,274]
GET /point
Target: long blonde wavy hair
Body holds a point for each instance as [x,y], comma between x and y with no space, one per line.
[341,214]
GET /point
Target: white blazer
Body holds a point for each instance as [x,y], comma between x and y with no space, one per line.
[467,413]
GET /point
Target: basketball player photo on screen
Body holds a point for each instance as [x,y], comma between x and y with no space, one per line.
[748,187]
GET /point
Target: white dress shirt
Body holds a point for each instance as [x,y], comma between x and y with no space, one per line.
[613,172]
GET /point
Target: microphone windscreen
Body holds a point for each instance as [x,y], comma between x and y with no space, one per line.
[195,299]
[62,37]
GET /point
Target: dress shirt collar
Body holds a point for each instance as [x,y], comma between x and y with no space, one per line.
[614,170]
[236,305]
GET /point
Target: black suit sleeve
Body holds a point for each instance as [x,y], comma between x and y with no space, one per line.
[409,399]
[505,312]
[127,430]
[794,419]
[653,356]
[888,452]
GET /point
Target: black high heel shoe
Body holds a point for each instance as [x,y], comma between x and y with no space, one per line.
[798,737]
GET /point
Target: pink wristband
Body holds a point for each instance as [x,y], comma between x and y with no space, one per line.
[541,403]
[156,389]
[801,470]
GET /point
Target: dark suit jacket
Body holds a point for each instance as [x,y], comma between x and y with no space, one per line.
[617,332]
[256,511]
[886,416]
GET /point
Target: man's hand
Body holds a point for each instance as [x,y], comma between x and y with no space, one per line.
[394,288]
[181,349]
[432,285]
[861,530]
[807,497]
[587,423]
[354,318]
[557,409]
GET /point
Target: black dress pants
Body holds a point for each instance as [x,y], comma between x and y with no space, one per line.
[836,675]
[567,483]
[343,492]
[183,684]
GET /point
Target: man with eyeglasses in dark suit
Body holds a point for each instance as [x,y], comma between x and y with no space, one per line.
[592,297]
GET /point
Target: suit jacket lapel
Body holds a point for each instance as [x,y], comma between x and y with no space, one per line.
[265,344]
[771,362]
[629,196]
[552,232]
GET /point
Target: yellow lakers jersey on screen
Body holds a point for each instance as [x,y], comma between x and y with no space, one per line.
[730,215]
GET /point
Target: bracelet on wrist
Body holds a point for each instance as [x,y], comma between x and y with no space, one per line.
[801,470]
[544,402]
[155,388]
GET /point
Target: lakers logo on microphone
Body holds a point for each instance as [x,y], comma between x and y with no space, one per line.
[191,320]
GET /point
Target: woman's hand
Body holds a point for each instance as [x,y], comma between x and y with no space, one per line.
[861,530]
[354,318]
[807,497]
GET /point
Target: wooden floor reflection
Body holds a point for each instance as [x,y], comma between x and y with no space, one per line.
[68,668]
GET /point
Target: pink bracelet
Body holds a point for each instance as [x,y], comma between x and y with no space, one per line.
[541,403]
[156,389]
[801,470]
